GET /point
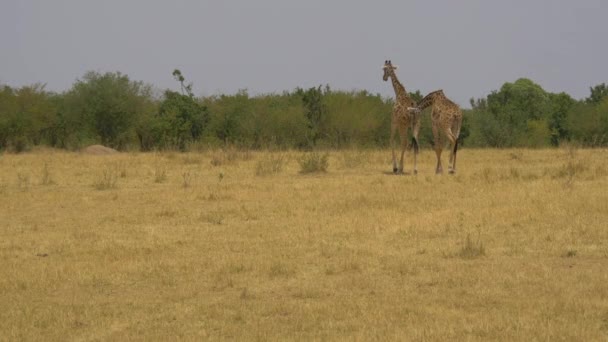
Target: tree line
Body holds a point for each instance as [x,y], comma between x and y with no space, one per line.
[113,110]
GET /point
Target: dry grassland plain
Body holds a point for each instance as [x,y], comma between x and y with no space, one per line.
[239,245]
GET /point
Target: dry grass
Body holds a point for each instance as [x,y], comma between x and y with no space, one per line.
[270,164]
[215,252]
[314,162]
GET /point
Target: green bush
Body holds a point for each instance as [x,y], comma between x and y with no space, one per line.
[113,110]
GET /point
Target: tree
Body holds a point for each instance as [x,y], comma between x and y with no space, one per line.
[352,118]
[228,112]
[27,116]
[598,92]
[184,118]
[510,111]
[187,88]
[588,123]
[180,120]
[315,111]
[560,106]
[416,95]
[9,126]
[108,106]
[269,121]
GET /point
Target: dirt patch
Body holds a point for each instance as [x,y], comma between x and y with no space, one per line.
[98,150]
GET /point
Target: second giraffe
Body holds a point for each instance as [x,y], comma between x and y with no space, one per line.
[446,117]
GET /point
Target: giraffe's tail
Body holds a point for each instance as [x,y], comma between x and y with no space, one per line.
[415,145]
[456,131]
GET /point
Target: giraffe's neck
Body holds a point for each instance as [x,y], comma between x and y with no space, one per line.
[429,99]
[398,87]
[425,102]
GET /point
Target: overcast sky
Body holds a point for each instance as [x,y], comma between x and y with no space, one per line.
[466,47]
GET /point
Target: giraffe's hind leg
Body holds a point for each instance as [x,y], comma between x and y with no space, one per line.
[456,130]
[403,136]
[415,130]
[393,131]
[438,146]
[453,148]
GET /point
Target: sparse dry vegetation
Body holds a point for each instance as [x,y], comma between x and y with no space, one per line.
[160,173]
[354,253]
[229,155]
[46,177]
[472,249]
[270,164]
[107,179]
[314,162]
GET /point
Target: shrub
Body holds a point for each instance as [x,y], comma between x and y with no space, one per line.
[314,162]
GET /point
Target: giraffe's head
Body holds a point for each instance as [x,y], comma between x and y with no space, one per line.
[388,70]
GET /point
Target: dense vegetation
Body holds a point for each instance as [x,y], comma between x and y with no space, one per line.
[113,110]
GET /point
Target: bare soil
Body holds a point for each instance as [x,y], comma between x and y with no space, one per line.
[98,150]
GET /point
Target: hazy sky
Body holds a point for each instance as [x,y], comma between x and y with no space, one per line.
[466,47]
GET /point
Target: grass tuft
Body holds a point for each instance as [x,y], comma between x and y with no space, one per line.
[214,218]
[271,164]
[314,162]
[570,169]
[23,180]
[190,159]
[354,159]
[516,155]
[46,177]
[229,155]
[471,249]
[280,270]
[187,179]
[487,174]
[121,168]
[160,174]
[167,213]
[106,180]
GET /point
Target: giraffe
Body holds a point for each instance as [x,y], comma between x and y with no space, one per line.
[446,117]
[402,118]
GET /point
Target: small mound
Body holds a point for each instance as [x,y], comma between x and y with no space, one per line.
[98,150]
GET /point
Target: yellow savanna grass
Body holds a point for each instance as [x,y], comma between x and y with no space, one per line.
[512,247]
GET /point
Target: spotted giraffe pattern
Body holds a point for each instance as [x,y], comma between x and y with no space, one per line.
[402,119]
[446,118]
